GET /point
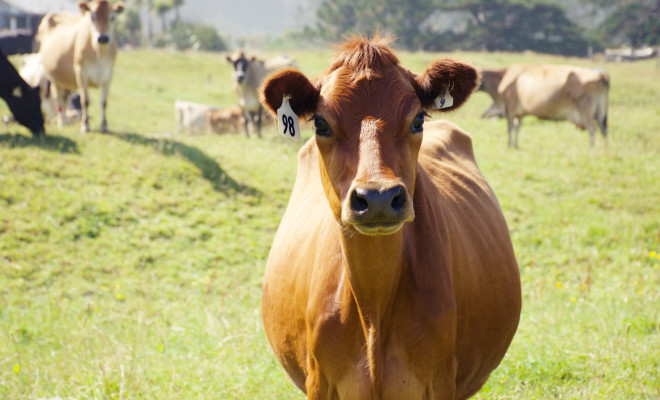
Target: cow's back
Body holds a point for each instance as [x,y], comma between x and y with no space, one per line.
[549,91]
[57,36]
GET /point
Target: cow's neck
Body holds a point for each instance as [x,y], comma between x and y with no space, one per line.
[373,266]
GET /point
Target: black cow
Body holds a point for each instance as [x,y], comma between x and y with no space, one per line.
[22,99]
[17,41]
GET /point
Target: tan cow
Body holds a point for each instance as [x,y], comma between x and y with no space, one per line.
[79,51]
[555,92]
[248,75]
[392,275]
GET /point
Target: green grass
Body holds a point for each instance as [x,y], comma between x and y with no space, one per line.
[131,263]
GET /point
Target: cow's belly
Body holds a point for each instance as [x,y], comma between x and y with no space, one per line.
[399,382]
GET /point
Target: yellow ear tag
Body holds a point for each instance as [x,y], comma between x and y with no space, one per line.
[287,120]
[444,101]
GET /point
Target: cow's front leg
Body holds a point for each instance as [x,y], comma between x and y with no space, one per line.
[60,103]
[104,103]
[84,102]
[316,385]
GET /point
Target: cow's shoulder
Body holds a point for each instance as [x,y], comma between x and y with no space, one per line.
[445,140]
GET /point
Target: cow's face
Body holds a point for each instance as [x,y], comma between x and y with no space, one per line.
[25,103]
[102,14]
[368,114]
[240,64]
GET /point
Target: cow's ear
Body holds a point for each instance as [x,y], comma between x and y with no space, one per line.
[83,6]
[118,7]
[302,94]
[449,80]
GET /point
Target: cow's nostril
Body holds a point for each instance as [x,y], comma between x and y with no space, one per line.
[399,201]
[359,202]
[104,39]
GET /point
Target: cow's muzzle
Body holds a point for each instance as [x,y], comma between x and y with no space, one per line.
[378,210]
[103,39]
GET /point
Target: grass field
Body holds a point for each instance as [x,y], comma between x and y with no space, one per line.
[131,263]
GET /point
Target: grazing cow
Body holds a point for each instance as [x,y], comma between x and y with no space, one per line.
[392,274]
[248,76]
[555,92]
[79,51]
[490,79]
[190,117]
[21,98]
[222,120]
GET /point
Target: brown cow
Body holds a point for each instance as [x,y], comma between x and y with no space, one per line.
[79,51]
[223,120]
[555,92]
[392,274]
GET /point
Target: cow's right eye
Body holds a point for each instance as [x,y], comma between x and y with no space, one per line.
[321,126]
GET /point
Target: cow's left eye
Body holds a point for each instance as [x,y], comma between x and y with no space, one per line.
[321,127]
[418,123]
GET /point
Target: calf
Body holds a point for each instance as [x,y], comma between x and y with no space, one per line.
[222,120]
[190,117]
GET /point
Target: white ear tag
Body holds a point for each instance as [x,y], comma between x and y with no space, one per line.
[17,92]
[444,101]
[287,121]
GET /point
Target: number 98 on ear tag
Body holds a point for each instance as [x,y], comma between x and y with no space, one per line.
[287,121]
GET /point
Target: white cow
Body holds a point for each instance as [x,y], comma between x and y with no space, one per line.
[190,117]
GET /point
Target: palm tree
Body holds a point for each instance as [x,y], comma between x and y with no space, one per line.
[161,8]
[149,4]
[176,4]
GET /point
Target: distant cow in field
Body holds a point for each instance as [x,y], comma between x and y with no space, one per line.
[392,275]
[78,52]
[224,120]
[17,41]
[555,92]
[490,79]
[22,99]
[248,74]
[190,117]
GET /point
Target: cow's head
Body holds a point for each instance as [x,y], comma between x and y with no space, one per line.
[368,113]
[25,103]
[240,64]
[102,14]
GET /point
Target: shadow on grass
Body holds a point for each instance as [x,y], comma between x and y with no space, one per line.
[210,169]
[48,142]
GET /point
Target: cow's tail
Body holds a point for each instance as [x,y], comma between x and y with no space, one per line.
[601,110]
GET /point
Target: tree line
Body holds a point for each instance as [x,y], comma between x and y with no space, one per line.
[567,27]
[172,32]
